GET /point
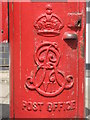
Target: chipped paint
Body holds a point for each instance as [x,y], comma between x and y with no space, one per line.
[78,24]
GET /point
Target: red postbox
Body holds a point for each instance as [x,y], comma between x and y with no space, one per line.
[47,41]
[3,22]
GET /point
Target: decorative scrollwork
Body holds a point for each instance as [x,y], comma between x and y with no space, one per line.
[47,55]
[48,80]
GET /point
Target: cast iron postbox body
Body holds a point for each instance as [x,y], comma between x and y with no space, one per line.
[47,59]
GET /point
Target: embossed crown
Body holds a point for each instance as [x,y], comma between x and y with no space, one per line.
[48,24]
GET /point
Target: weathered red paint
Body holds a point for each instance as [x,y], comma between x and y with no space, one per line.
[47,60]
[3,22]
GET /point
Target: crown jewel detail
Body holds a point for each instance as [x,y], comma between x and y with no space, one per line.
[48,24]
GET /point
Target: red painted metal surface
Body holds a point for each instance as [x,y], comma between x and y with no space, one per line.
[3,22]
[47,59]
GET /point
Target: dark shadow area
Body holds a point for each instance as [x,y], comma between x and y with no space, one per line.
[72,43]
[87,66]
[87,111]
[4,112]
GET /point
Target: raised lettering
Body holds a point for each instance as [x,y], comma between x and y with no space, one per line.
[45,85]
[73,103]
[35,106]
[55,105]
[40,104]
[29,106]
[60,106]
[49,107]
[68,105]
[24,105]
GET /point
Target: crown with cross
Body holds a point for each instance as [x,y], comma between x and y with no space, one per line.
[48,24]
